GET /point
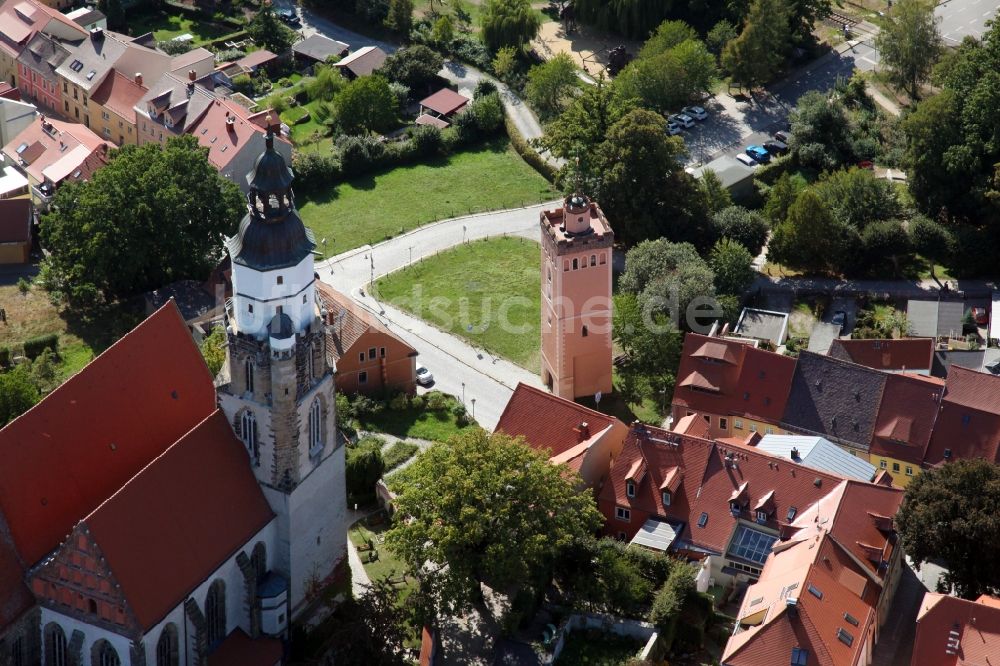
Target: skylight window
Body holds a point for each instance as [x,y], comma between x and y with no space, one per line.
[844,637]
[90,75]
[815,591]
[76,66]
[23,147]
[703,520]
[851,619]
[752,545]
[800,657]
[791,513]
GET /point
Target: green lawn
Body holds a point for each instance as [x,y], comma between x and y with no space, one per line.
[166,26]
[596,648]
[397,454]
[415,422]
[386,565]
[377,207]
[486,291]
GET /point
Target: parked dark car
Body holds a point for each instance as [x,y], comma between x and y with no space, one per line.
[782,136]
[288,16]
[776,147]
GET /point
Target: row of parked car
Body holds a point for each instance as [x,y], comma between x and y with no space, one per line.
[685,119]
[761,154]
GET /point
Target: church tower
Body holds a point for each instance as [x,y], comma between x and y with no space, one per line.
[280,395]
[576,299]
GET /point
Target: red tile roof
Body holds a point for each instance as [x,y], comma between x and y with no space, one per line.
[7,91]
[257,58]
[223,140]
[549,422]
[119,94]
[905,417]
[15,220]
[21,19]
[59,151]
[977,625]
[83,442]
[742,379]
[968,423]
[240,650]
[178,517]
[445,102]
[345,332]
[904,354]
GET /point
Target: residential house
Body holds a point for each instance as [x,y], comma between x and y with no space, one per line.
[36,72]
[723,505]
[88,18]
[824,594]
[114,107]
[903,427]
[811,451]
[20,20]
[912,355]
[935,319]
[956,632]
[968,420]
[15,116]
[51,151]
[441,107]
[16,216]
[765,325]
[834,399]
[128,468]
[362,62]
[731,384]
[367,356]
[247,65]
[317,49]
[585,440]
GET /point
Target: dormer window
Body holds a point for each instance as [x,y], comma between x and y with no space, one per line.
[791,513]
[735,508]
[630,488]
[762,516]
[666,498]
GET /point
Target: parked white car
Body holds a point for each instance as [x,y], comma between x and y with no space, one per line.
[695,112]
[746,159]
[673,129]
[424,376]
[683,120]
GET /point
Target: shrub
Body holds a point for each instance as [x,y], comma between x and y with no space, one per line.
[529,154]
[314,171]
[35,346]
[399,402]
[436,401]
[399,453]
[427,140]
[23,286]
[359,154]
[488,112]
[5,357]
[229,55]
[364,468]
[174,47]
[483,88]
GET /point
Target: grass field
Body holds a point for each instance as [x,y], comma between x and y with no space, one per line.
[487,292]
[376,207]
[436,425]
[166,26]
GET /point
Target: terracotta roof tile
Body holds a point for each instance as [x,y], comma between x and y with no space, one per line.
[968,423]
[364,61]
[749,381]
[977,625]
[344,331]
[906,415]
[549,422]
[83,442]
[15,220]
[445,101]
[65,149]
[119,94]
[904,354]
[176,517]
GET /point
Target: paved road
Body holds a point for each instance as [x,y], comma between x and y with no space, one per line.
[487,379]
[964,17]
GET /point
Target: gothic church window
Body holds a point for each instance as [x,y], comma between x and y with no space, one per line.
[249,372]
[166,647]
[248,433]
[215,613]
[104,654]
[258,560]
[315,427]
[55,645]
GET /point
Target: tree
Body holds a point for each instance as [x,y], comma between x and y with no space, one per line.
[909,43]
[781,196]
[669,79]
[366,104]
[755,56]
[885,240]
[746,227]
[152,216]
[948,516]
[667,36]
[716,194]
[416,67]
[508,23]
[820,131]
[213,349]
[667,278]
[444,30]
[550,83]
[364,467]
[651,345]
[733,267]
[265,29]
[856,197]
[115,13]
[721,34]
[490,508]
[670,599]
[810,238]
[505,62]
[931,240]
[400,17]
[643,187]
[18,394]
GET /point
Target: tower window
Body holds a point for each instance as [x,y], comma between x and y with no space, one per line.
[250,308]
[371,352]
[362,377]
[281,279]
[304,301]
[248,368]
[576,264]
[361,357]
[248,433]
[381,352]
[584,331]
[315,428]
[603,260]
[593,260]
[279,310]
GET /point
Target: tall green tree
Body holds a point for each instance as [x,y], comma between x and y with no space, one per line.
[909,43]
[667,278]
[931,240]
[400,18]
[490,508]
[511,23]
[746,227]
[268,31]
[721,34]
[856,197]
[551,83]
[810,238]
[18,394]
[671,78]
[416,67]
[366,104]
[667,36]
[152,216]
[780,198]
[716,194]
[820,131]
[756,55]
[115,13]
[732,265]
[948,517]
[651,346]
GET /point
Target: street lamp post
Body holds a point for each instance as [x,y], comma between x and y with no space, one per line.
[463,393]
[473,409]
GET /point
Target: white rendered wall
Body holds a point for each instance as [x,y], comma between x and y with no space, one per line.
[91,634]
[261,289]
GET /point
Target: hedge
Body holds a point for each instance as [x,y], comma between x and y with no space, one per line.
[529,154]
[34,347]
[5,357]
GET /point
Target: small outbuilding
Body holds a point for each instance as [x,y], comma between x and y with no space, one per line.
[362,62]
[444,104]
[318,48]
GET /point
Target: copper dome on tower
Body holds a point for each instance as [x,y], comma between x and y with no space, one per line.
[270,172]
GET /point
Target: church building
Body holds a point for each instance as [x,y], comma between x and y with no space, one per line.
[151,518]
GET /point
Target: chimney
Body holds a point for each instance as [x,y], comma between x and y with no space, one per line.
[792,606]
[584,430]
[192,75]
[97,34]
[230,122]
[138,78]
[795,453]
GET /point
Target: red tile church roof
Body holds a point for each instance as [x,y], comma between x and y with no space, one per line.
[77,447]
[976,627]
[179,519]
